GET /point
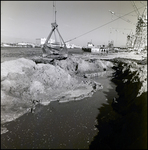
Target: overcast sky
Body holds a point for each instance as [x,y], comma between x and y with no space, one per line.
[24,21]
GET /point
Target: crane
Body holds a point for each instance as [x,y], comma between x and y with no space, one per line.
[52,50]
[141,31]
[121,17]
[135,8]
[137,41]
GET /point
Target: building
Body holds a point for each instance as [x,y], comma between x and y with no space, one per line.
[130,41]
[40,41]
[25,44]
[68,45]
[90,45]
[111,45]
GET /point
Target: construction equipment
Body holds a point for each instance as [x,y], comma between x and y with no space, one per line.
[55,49]
[141,31]
[121,17]
[139,40]
[135,8]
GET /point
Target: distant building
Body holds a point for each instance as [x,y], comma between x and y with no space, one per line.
[24,44]
[77,46]
[98,46]
[5,45]
[40,41]
[100,49]
[90,45]
[52,41]
[20,44]
[130,40]
[95,50]
[68,45]
[111,45]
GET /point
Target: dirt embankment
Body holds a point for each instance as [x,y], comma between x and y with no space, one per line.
[25,83]
[125,123]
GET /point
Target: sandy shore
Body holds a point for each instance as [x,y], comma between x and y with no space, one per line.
[25,83]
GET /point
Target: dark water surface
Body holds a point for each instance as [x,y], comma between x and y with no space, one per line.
[88,123]
[11,53]
[59,125]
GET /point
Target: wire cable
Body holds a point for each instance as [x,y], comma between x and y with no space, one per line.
[102,25]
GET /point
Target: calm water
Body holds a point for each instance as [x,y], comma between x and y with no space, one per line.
[10,53]
[58,125]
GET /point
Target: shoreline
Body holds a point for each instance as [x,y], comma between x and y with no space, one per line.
[77,87]
[116,115]
[126,118]
[71,124]
[87,76]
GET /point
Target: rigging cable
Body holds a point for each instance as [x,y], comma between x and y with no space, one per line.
[135,8]
[54,11]
[113,13]
[142,3]
[102,25]
[54,18]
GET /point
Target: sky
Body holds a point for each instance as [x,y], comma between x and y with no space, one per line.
[25,21]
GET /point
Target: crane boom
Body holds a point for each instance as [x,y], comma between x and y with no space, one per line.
[135,8]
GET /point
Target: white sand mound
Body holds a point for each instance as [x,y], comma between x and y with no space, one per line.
[30,81]
[73,64]
[15,66]
[23,81]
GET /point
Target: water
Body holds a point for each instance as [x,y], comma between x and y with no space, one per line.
[59,125]
[11,53]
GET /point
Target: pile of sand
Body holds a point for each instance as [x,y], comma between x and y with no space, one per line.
[83,65]
[23,81]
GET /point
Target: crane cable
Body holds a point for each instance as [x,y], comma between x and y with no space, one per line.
[54,16]
[122,18]
[102,25]
[135,8]
[54,11]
